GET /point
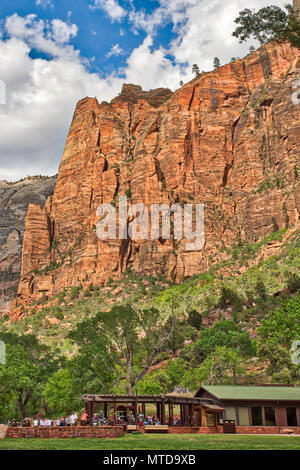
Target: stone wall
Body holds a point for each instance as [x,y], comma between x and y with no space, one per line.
[266,430]
[88,432]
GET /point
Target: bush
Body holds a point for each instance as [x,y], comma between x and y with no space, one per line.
[74,292]
[195,319]
[293,282]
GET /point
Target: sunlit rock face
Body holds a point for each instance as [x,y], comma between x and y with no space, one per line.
[230,139]
[14,201]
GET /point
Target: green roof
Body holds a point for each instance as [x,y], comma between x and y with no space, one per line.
[240,392]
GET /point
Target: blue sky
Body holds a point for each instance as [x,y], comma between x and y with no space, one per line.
[55,52]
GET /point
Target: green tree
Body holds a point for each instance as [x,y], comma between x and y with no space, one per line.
[175,371]
[59,393]
[195,319]
[276,336]
[196,70]
[268,23]
[154,383]
[117,338]
[224,366]
[18,377]
[226,334]
[28,366]
[217,63]
[229,298]
[293,282]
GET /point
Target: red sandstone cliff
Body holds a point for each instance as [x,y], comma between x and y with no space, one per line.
[229,139]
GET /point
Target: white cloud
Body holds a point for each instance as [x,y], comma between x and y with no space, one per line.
[115,50]
[203,27]
[44,36]
[42,93]
[62,32]
[150,68]
[44,3]
[111,8]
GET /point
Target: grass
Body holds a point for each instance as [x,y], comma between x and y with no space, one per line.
[159,442]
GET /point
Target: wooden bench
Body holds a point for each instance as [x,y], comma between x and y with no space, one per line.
[158,428]
[132,427]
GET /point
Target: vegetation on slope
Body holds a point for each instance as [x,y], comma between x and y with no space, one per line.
[234,324]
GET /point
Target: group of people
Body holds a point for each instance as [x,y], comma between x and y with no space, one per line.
[70,420]
[97,420]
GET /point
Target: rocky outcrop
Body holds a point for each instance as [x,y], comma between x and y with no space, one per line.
[3,431]
[228,139]
[14,200]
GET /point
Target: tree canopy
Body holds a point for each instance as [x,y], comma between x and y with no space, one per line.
[268,23]
[124,342]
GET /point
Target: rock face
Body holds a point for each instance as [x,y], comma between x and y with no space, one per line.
[3,431]
[229,139]
[14,200]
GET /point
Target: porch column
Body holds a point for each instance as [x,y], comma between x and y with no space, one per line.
[115,412]
[93,406]
[203,418]
[136,410]
[181,414]
[163,413]
[171,414]
[158,410]
[187,418]
[105,410]
[191,414]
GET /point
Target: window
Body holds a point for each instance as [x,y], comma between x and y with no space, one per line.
[244,416]
[256,416]
[231,413]
[270,416]
[291,415]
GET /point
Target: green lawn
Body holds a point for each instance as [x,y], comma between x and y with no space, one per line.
[159,442]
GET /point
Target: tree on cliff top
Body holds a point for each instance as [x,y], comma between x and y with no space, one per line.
[268,24]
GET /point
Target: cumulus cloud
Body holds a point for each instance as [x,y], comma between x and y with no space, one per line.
[44,36]
[203,29]
[41,95]
[150,68]
[42,92]
[115,50]
[44,3]
[111,8]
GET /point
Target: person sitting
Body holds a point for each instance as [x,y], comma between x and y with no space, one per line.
[73,419]
[95,420]
[83,419]
[68,421]
[62,421]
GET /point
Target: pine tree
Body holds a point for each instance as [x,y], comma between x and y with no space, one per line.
[196,70]
[217,63]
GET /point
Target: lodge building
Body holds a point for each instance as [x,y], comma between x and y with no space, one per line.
[256,405]
[264,409]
